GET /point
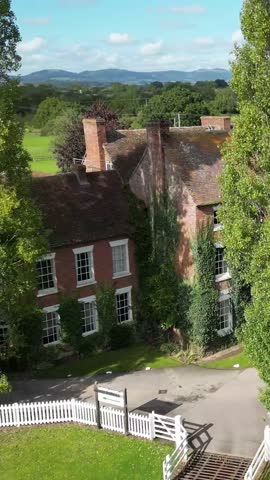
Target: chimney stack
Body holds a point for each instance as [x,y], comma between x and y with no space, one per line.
[95,138]
[156,136]
[216,123]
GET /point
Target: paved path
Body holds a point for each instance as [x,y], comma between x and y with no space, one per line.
[220,406]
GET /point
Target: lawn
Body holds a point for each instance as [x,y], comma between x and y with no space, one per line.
[40,149]
[125,360]
[78,453]
[229,362]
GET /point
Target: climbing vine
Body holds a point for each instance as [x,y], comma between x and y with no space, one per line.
[203,312]
[162,297]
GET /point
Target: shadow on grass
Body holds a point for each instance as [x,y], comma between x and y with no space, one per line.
[125,360]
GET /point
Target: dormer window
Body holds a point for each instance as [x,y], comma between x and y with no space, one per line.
[217,225]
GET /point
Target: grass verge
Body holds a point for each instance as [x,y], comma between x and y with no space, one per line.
[136,357]
[227,363]
[76,453]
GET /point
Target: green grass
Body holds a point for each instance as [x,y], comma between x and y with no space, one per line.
[40,149]
[125,360]
[78,453]
[229,362]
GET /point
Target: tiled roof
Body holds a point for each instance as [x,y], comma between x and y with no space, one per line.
[75,214]
[196,152]
[126,149]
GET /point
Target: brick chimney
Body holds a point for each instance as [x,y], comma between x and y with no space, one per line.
[95,138]
[156,136]
[216,123]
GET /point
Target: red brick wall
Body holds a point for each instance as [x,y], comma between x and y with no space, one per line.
[95,138]
[66,271]
[220,123]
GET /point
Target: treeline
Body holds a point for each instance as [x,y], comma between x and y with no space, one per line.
[133,104]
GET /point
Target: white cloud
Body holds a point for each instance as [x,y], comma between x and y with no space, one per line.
[32,45]
[204,41]
[36,20]
[237,37]
[120,39]
[153,48]
[188,9]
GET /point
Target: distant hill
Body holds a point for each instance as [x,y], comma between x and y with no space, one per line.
[111,75]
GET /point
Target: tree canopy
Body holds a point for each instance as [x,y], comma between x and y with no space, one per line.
[246,181]
[21,239]
[176,100]
[72,144]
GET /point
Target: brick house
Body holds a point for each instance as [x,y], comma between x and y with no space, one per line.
[86,215]
[186,160]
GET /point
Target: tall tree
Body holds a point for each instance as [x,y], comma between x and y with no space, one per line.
[246,181]
[9,37]
[72,145]
[21,240]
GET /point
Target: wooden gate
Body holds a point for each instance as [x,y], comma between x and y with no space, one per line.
[164,427]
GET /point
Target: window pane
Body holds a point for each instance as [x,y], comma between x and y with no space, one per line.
[3,334]
[50,328]
[122,307]
[225,314]
[221,265]
[84,266]
[119,255]
[89,317]
[45,273]
[216,220]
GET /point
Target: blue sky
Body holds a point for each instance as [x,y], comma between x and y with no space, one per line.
[140,35]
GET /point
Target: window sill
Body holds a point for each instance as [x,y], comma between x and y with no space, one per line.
[223,277]
[121,275]
[218,228]
[225,332]
[44,293]
[126,321]
[85,284]
[52,344]
[87,334]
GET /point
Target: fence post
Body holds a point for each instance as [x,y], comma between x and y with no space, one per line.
[126,412]
[73,410]
[152,425]
[97,405]
[16,414]
[267,444]
[181,435]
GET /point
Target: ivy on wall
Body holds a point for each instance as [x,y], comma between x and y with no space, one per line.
[162,299]
[203,312]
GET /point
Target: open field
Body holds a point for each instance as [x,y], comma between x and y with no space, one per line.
[76,453]
[136,357]
[40,149]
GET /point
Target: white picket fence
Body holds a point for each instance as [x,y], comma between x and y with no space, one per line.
[261,458]
[179,457]
[144,426]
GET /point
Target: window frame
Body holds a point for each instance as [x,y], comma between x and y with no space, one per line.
[52,309]
[90,251]
[120,291]
[118,243]
[49,291]
[90,299]
[226,295]
[217,227]
[222,276]
[109,164]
